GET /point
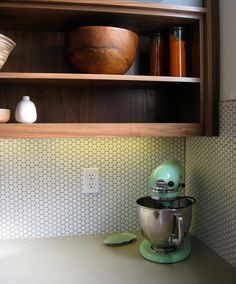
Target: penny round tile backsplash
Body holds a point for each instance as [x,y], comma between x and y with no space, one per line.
[41,183]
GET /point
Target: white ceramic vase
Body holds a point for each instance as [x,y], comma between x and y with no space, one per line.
[26,111]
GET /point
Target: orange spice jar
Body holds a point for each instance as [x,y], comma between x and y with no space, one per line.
[177,52]
[157,56]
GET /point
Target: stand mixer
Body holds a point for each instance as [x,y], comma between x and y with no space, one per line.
[165,216]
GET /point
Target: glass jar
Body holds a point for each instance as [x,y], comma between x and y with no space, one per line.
[177,52]
[157,56]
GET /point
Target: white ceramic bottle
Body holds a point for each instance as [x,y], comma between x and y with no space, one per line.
[26,111]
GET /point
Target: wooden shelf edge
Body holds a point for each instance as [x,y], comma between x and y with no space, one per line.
[102,5]
[59,130]
[18,77]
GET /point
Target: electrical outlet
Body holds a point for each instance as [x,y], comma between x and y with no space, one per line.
[91,180]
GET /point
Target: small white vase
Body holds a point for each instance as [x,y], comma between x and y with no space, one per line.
[26,111]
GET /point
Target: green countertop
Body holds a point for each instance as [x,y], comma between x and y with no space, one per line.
[86,260]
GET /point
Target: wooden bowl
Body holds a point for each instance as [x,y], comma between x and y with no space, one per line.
[101,50]
[4,115]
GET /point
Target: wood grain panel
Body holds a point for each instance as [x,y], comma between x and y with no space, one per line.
[193,50]
[56,15]
[99,130]
[58,104]
[37,52]
[212,70]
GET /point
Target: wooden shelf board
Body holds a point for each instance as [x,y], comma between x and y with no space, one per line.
[14,77]
[52,130]
[60,15]
[103,3]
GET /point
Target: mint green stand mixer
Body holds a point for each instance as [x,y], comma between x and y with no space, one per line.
[165,216]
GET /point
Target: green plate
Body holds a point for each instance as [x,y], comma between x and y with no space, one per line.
[119,239]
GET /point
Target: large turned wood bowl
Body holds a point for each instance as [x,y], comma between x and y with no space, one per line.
[101,50]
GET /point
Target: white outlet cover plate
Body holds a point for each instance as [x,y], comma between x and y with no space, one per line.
[91,180]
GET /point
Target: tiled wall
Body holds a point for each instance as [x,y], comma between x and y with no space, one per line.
[227,112]
[211,178]
[41,183]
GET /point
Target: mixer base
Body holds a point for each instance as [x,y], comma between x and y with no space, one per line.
[182,252]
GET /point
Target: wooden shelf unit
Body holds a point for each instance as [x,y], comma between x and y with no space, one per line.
[77,105]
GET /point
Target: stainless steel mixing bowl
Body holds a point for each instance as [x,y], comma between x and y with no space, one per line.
[165,223]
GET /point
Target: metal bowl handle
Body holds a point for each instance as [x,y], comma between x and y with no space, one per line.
[180,224]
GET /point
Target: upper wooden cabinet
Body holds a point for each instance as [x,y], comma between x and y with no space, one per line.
[70,104]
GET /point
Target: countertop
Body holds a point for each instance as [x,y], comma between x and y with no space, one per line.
[85,260]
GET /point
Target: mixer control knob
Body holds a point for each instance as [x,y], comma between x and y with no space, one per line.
[171,183]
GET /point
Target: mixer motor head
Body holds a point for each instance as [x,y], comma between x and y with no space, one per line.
[166,180]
